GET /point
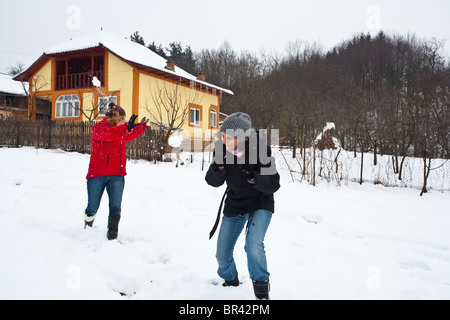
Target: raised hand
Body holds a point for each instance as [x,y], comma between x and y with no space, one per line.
[131,123]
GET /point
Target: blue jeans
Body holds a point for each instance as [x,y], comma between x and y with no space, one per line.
[114,187]
[230,230]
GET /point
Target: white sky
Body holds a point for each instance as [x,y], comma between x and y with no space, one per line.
[29,27]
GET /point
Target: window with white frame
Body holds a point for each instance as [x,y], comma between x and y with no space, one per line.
[195,116]
[103,103]
[213,118]
[67,106]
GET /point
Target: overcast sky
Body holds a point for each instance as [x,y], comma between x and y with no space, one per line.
[28,28]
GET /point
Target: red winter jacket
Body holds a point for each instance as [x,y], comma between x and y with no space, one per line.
[108,149]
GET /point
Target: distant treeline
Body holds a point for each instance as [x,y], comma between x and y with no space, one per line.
[387,94]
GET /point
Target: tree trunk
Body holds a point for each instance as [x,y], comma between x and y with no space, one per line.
[362,164]
[426,174]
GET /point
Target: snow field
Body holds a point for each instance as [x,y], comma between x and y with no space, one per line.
[324,242]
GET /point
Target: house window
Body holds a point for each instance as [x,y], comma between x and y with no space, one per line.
[67,106]
[103,103]
[195,116]
[8,101]
[213,118]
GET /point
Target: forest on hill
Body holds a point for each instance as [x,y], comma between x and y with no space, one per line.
[386,94]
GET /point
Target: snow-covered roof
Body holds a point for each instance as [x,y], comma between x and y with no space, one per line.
[127,50]
[8,85]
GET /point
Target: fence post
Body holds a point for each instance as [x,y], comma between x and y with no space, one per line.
[18,134]
[38,134]
[203,151]
[50,134]
[82,137]
[362,163]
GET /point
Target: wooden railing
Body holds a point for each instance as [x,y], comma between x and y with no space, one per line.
[78,80]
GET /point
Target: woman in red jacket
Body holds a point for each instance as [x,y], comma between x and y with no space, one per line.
[107,166]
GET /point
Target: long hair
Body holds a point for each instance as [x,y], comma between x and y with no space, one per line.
[115,114]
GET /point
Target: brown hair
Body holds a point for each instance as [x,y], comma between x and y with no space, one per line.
[115,114]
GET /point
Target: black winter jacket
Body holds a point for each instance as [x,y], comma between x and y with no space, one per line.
[243,196]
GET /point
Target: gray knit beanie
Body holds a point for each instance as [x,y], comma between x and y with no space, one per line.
[237,125]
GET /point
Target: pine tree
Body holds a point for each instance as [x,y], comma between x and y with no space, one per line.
[136,37]
[158,49]
[183,57]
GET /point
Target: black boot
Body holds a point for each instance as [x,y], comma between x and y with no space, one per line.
[113,226]
[89,221]
[88,224]
[232,283]
[261,289]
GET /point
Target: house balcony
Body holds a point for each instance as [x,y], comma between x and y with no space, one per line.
[78,80]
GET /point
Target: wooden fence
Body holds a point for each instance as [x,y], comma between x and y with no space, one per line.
[73,136]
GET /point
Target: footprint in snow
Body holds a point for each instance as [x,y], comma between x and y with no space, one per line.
[312,218]
[409,264]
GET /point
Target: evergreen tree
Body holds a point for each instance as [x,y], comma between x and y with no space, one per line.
[136,37]
[184,58]
[158,49]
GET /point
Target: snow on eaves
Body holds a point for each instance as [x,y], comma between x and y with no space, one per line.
[128,50]
[8,85]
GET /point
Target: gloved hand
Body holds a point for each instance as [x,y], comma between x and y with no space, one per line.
[219,154]
[145,120]
[247,173]
[131,123]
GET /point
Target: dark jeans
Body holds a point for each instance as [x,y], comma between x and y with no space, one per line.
[114,187]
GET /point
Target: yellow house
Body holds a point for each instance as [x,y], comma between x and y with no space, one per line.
[83,75]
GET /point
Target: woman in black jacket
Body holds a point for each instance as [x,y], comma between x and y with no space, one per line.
[244,161]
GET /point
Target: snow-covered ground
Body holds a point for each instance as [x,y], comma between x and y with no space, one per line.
[324,242]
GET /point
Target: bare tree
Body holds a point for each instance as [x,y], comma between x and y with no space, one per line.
[170,108]
[16,69]
[37,84]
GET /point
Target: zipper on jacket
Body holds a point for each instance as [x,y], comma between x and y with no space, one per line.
[120,156]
